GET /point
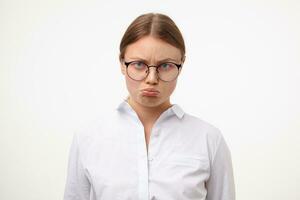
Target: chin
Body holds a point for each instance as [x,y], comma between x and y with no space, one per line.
[151,102]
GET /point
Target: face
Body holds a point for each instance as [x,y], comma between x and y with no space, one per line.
[152,51]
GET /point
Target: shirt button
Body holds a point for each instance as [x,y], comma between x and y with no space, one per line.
[150,159]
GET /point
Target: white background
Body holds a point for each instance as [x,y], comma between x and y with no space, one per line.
[59,70]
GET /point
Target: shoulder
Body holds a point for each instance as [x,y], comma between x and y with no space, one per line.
[95,129]
[201,126]
[204,133]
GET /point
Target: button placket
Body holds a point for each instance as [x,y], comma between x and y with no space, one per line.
[152,147]
[142,164]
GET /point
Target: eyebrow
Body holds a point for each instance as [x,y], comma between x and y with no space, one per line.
[160,61]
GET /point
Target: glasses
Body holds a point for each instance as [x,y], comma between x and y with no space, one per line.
[137,70]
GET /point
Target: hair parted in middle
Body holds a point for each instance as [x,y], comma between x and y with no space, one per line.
[153,24]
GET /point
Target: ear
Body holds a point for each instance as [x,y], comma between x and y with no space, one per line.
[180,70]
[123,67]
[182,62]
[183,59]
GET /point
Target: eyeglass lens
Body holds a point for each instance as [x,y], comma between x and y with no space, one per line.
[139,71]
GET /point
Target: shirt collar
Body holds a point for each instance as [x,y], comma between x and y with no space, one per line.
[175,109]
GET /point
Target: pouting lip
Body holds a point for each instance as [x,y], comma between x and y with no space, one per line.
[150,90]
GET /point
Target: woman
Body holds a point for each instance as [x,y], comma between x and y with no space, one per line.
[149,148]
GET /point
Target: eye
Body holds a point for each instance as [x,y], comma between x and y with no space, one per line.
[138,65]
[166,66]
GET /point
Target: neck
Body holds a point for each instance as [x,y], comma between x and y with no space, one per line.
[148,114]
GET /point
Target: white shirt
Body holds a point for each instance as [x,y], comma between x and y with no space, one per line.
[187,159]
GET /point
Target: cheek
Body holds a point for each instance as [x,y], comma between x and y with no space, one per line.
[170,88]
[132,86]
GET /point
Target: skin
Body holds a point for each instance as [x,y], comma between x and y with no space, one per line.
[152,50]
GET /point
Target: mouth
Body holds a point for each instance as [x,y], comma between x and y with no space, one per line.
[150,92]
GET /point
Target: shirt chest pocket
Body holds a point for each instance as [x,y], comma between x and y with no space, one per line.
[186,174]
[182,160]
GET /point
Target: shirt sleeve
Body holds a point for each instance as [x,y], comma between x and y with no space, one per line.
[77,184]
[220,185]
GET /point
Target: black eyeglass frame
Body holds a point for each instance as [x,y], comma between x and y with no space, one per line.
[148,70]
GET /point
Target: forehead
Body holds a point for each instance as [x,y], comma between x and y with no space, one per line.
[152,49]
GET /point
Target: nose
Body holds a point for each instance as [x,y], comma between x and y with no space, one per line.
[152,77]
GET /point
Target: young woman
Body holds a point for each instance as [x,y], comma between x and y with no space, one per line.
[149,148]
